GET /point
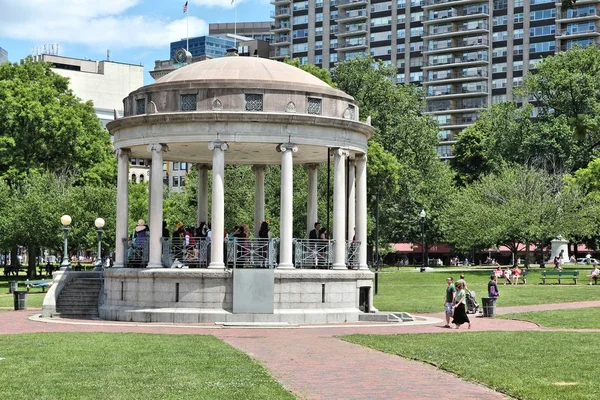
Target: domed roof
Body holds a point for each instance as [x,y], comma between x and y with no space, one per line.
[253,71]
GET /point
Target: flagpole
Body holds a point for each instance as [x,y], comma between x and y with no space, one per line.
[187,29]
[235,25]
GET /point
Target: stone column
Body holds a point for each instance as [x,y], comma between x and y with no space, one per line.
[122,205]
[339,208]
[312,200]
[218,204]
[149,164]
[202,193]
[361,208]
[287,205]
[259,196]
[156,212]
[351,200]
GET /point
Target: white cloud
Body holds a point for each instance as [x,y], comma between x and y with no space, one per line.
[97,24]
[213,3]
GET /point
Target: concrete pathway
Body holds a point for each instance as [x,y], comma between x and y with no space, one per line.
[312,363]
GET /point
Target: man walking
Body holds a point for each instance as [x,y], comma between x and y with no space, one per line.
[450,293]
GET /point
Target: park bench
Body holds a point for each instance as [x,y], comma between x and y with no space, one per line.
[560,275]
[523,276]
[35,284]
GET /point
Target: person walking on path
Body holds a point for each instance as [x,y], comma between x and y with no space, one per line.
[450,292]
[460,312]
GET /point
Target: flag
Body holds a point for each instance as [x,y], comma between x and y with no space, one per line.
[185,7]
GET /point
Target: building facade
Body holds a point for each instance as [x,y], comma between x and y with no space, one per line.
[467,54]
[213,47]
[255,30]
[3,55]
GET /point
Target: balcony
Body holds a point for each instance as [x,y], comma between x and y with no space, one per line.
[281,40]
[280,52]
[351,3]
[459,16]
[345,45]
[446,31]
[281,27]
[359,29]
[352,15]
[574,15]
[281,12]
[569,33]
[455,94]
[461,45]
[280,2]
[457,62]
[432,4]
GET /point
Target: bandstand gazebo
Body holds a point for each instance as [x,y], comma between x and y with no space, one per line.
[249,111]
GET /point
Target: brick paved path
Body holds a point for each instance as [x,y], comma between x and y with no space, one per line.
[314,364]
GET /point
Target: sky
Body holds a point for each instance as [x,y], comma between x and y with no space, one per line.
[135,31]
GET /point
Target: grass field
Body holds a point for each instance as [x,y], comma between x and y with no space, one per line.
[579,318]
[129,366]
[526,365]
[424,292]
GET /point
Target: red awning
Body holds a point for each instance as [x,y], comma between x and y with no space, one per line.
[402,247]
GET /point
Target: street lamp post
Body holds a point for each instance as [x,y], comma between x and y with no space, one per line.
[423,215]
[99,225]
[66,222]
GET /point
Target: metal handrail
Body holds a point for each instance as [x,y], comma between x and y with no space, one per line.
[190,251]
[136,254]
[313,253]
[352,253]
[252,253]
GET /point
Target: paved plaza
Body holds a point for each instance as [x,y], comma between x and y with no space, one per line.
[313,363]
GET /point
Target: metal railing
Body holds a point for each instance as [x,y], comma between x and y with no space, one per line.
[136,254]
[352,253]
[252,253]
[190,251]
[313,253]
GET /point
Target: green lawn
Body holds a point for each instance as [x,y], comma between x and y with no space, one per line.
[424,292]
[525,365]
[579,318]
[129,366]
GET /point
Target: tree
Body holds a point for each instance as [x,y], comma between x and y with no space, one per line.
[507,134]
[44,127]
[568,84]
[513,206]
[406,133]
[320,73]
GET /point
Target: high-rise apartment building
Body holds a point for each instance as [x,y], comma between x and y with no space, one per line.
[3,55]
[467,54]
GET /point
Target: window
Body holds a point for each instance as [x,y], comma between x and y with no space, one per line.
[534,2]
[519,3]
[415,76]
[401,33]
[381,21]
[318,45]
[500,20]
[140,106]
[133,178]
[176,166]
[542,47]
[333,57]
[319,17]
[417,16]
[381,7]
[499,36]
[416,46]
[141,161]
[182,181]
[301,19]
[542,14]
[518,17]
[499,52]
[499,98]
[254,102]
[314,106]
[401,48]
[517,81]
[418,31]
[499,83]
[498,67]
[442,119]
[518,33]
[401,19]
[175,181]
[401,3]
[400,78]
[164,166]
[542,30]
[319,31]
[518,49]
[188,102]
[301,5]
[301,33]
[300,47]
[333,43]
[518,65]
[183,166]
[318,59]
[352,111]
[141,178]
[416,62]
[380,51]
[377,36]
[501,4]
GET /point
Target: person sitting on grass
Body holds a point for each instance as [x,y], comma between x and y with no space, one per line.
[516,274]
[594,274]
[507,275]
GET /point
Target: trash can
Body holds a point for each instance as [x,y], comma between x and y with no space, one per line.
[20,300]
[489,306]
[12,286]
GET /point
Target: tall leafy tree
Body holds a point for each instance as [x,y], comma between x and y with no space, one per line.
[44,127]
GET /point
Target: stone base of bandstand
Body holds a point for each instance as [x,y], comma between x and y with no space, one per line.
[207,296]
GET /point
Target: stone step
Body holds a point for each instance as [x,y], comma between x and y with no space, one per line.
[78,316]
[89,293]
[77,310]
